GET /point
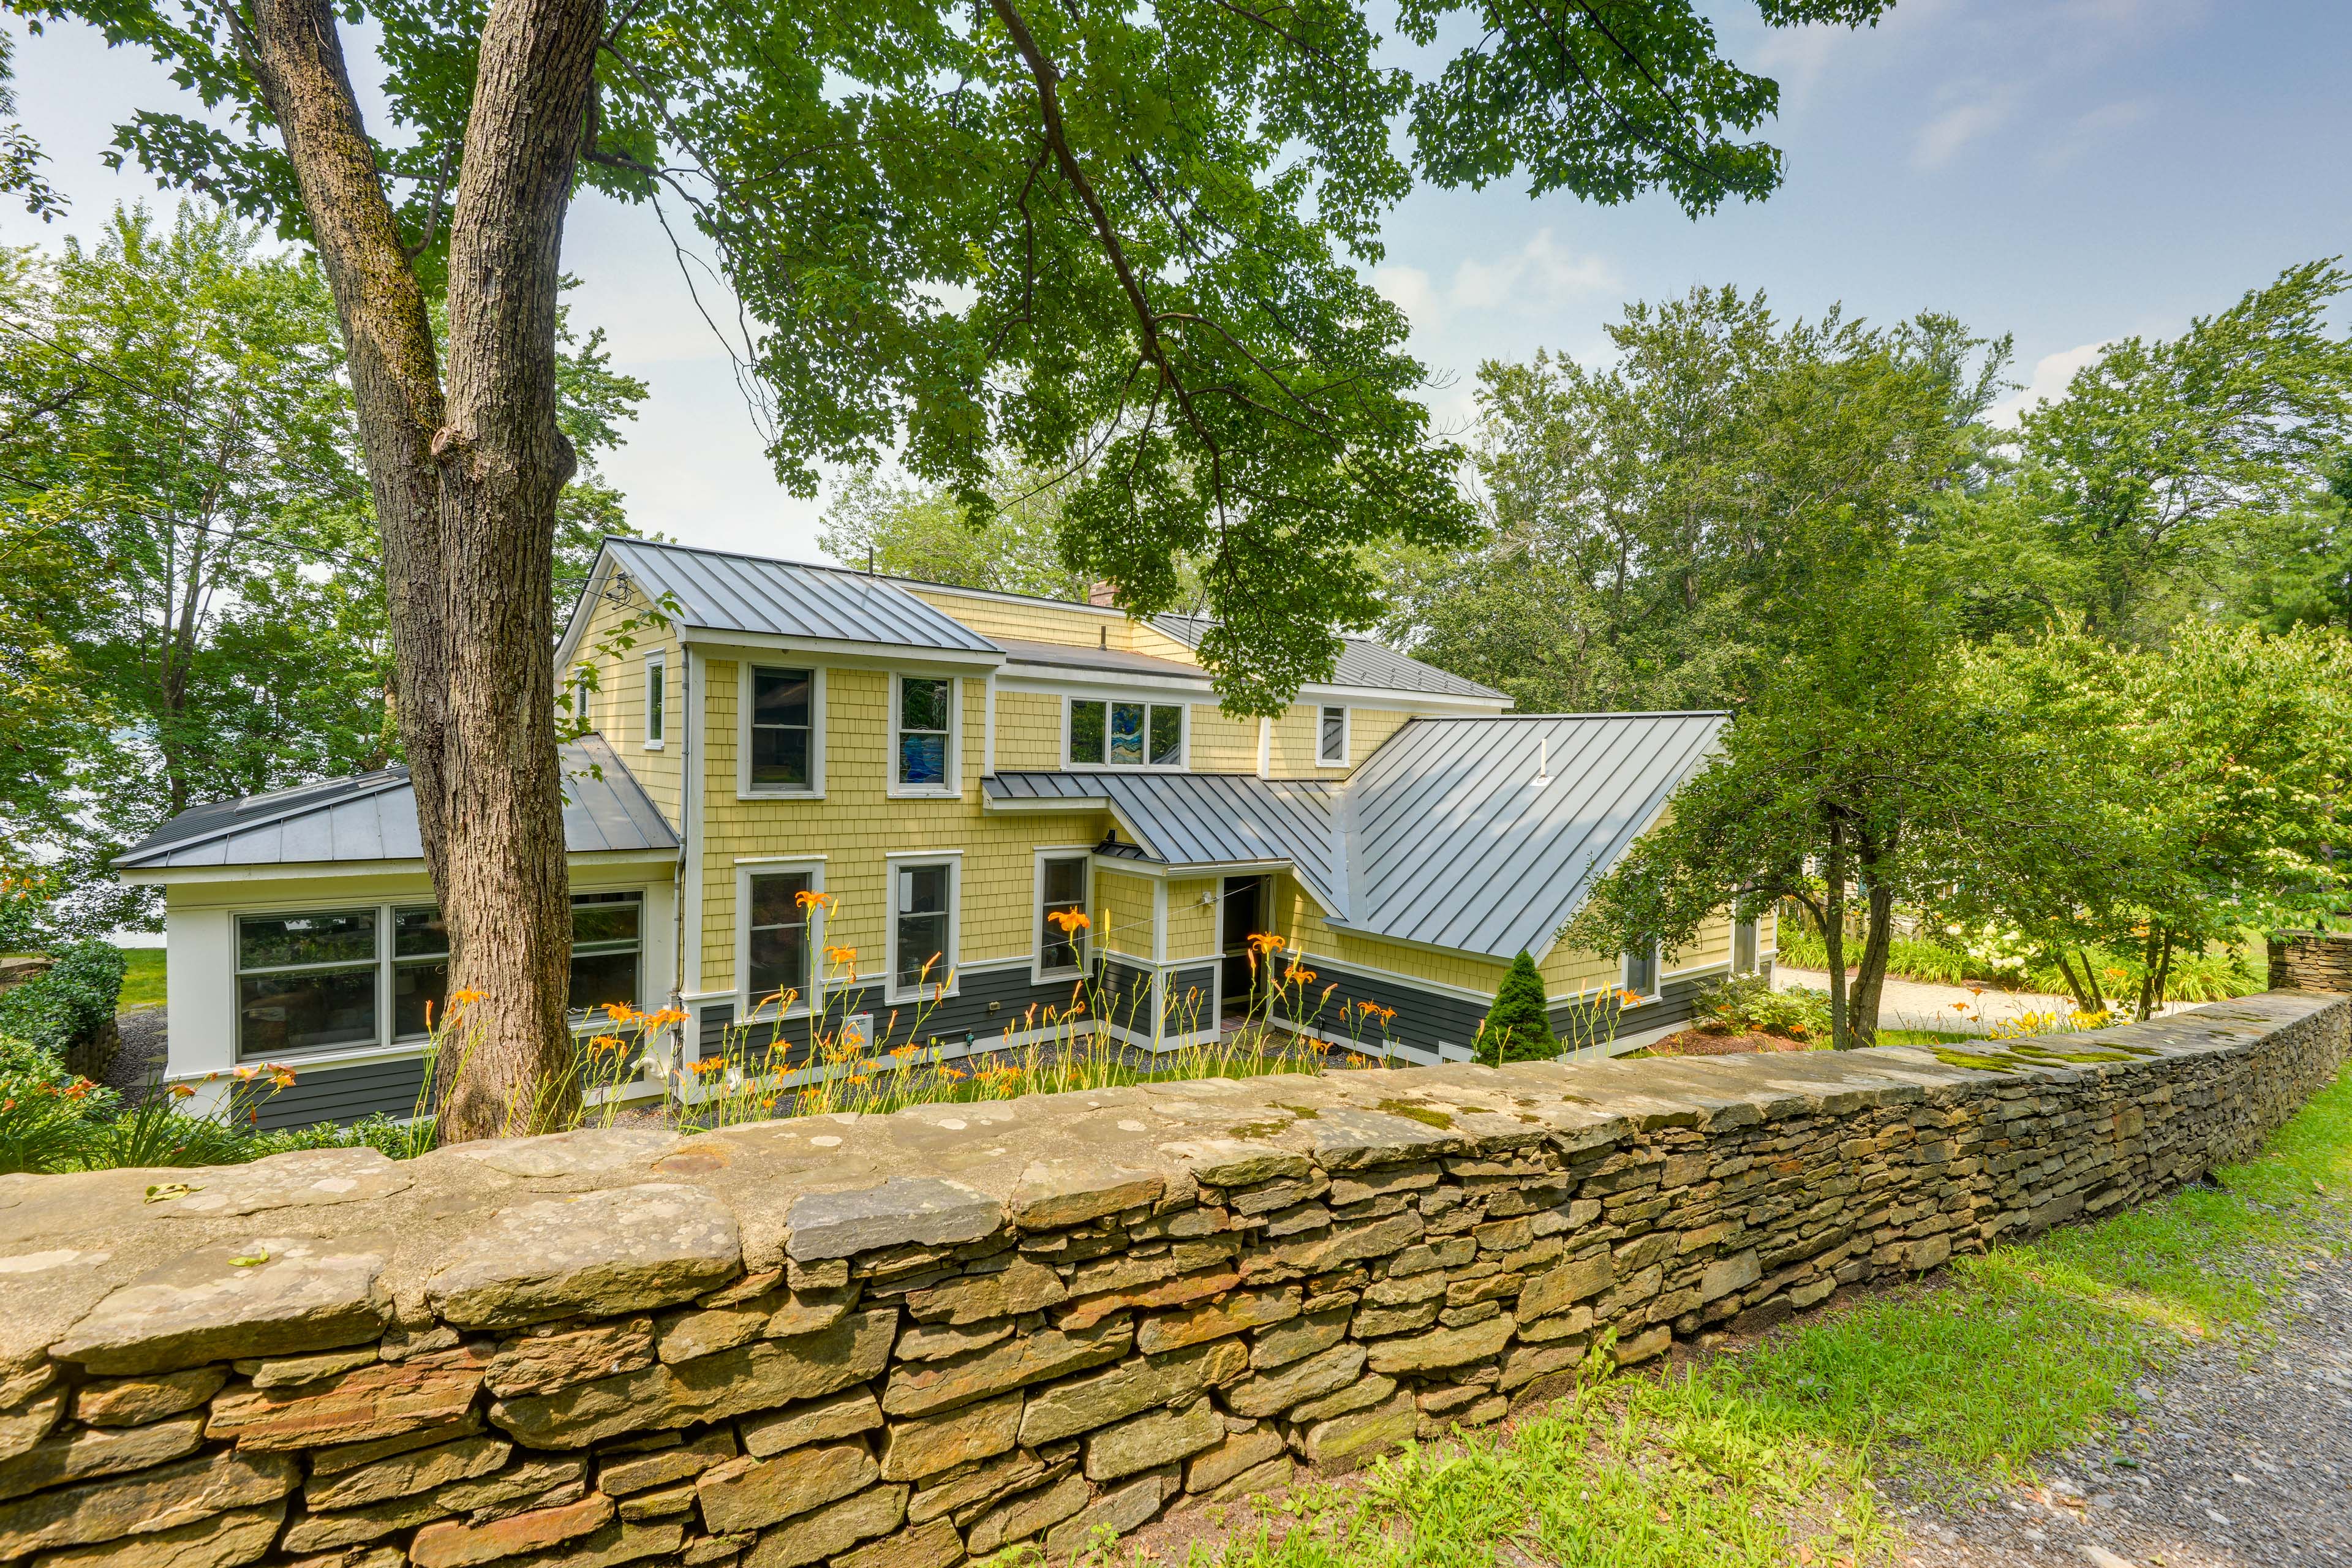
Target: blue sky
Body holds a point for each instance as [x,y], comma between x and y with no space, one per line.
[2070,170]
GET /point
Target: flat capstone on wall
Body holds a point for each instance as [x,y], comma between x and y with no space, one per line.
[900,1341]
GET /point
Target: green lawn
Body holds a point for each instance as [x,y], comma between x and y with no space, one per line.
[1766,1457]
[1921,1037]
[142,983]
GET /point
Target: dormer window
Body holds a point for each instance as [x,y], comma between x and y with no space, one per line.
[1331,738]
[1111,734]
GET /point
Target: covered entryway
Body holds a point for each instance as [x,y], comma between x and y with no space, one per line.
[1241,913]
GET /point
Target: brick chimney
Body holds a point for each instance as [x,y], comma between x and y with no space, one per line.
[1102,594]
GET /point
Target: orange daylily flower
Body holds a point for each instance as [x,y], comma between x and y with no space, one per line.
[1069,920]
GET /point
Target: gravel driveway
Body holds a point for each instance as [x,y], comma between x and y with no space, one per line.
[2227,1463]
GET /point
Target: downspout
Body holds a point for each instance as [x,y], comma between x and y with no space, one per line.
[685,837]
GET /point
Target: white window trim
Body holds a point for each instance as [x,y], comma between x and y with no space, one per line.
[1756,953]
[744,789]
[657,678]
[1183,764]
[1657,976]
[953,788]
[892,994]
[1038,974]
[744,871]
[1347,735]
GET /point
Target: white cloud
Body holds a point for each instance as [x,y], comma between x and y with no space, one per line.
[2048,383]
[1540,275]
[1948,132]
[2089,130]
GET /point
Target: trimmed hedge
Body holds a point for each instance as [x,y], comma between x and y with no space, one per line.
[70,1006]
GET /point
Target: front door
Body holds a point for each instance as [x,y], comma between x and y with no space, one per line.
[1241,913]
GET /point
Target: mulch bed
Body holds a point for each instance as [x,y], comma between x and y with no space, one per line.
[1714,1042]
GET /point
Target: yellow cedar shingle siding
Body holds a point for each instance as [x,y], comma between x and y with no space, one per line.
[858,826]
[1039,620]
[1028,731]
[1123,914]
[1221,744]
[1191,924]
[617,710]
[1298,737]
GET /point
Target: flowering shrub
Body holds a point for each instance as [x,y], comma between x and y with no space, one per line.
[1748,1004]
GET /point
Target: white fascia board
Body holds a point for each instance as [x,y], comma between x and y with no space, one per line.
[575,625]
[716,643]
[1062,681]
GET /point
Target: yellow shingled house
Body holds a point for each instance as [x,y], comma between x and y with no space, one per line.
[951,768]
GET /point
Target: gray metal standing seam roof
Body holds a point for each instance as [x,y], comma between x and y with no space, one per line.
[721,592]
[1442,837]
[373,817]
[1206,819]
[1363,661]
[1450,842]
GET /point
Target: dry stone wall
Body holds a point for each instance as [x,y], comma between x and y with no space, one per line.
[901,1341]
[2310,961]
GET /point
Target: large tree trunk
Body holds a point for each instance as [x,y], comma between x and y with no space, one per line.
[465,488]
[1833,935]
[1870,975]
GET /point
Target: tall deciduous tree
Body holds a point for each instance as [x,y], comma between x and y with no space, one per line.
[1842,781]
[1142,211]
[2168,466]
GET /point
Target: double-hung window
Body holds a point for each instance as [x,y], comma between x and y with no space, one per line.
[420,970]
[607,935]
[1125,734]
[307,982]
[1642,971]
[1331,738]
[777,940]
[656,698]
[1061,890]
[922,926]
[781,734]
[923,732]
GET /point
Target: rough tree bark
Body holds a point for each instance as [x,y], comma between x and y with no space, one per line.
[465,477]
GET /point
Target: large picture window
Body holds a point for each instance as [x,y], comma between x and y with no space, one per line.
[329,979]
[1125,734]
[1061,890]
[925,734]
[776,944]
[782,722]
[922,925]
[306,982]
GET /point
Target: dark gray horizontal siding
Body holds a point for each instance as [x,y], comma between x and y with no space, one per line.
[1190,1001]
[1125,994]
[1675,1008]
[987,1003]
[1425,1019]
[344,1095]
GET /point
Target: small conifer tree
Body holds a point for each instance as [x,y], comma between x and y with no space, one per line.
[1518,1026]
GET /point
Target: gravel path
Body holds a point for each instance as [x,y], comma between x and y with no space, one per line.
[141,1060]
[2229,1464]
